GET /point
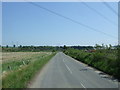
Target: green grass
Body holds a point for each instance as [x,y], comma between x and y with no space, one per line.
[105,60]
[20,78]
[13,61]
[14,65]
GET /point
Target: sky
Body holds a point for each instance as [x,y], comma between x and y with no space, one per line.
[26,24]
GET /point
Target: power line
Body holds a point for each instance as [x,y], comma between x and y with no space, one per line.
[108,6]
[98,13]
[70,19]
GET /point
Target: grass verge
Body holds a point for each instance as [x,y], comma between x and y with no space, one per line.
[102,59]
[20,78]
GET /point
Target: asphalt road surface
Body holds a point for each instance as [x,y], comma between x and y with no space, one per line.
[65,72]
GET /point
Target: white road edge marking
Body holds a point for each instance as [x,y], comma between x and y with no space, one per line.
[68,68]
[82,85]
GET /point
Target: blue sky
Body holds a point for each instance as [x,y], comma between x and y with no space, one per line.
[26,24]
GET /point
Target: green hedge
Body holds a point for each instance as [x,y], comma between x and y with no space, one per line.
[103,59]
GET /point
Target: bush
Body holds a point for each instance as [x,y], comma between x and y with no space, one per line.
[102,59]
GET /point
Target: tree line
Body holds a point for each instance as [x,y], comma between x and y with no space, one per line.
[32,48]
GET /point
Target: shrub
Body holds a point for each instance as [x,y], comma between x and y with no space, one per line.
[102,59]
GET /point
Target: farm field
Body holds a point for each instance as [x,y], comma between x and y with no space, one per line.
[24,64]
[10,56]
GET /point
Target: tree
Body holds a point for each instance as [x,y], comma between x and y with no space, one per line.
[14,46]
[53,50]
[7,46]
[97,46]
[20,46]
[110,46]
[103,46]
[106,47]
[64,47]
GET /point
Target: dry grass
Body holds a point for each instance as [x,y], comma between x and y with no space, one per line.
[11,56]
[19,77]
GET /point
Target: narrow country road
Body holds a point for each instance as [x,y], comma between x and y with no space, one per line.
[65,72]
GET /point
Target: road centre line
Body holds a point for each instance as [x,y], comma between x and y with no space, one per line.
[68,68]
[71,73]
[83,86]
[63,60]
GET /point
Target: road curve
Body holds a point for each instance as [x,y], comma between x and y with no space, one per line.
[65,72]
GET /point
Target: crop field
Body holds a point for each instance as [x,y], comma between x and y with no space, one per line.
[25,64]
[10,56]
[15,60]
